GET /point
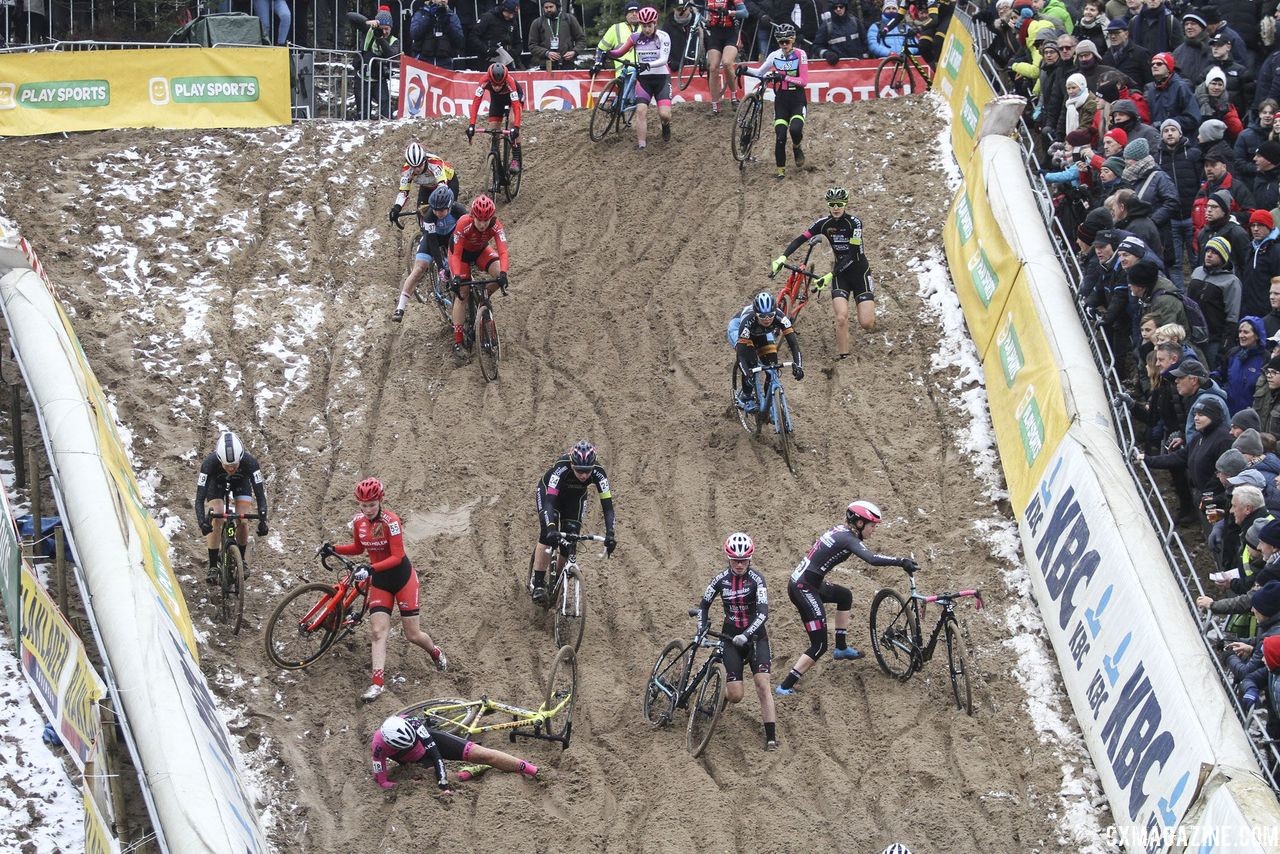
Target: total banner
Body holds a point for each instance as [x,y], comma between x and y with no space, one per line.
[54,92]
[427,91]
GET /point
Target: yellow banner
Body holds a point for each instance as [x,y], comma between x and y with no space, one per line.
[162,87]
[98,838]
[960,81]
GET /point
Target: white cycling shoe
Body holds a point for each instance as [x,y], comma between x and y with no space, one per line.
[373,693]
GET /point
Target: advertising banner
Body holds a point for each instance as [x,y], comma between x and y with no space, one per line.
[61,677]
[52,92]
[961,82]
[98,838]
[430,92]
[10,566]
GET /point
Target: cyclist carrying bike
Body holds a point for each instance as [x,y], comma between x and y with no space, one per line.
[229,464]
[395,582]
[562,493]
[652,49]
[809,588]
[437,225]
[504,95]
[424,170]
[754,333]
[724,34]
[843,232]
[745,597]
[787,71]
[471,238]
[409,739]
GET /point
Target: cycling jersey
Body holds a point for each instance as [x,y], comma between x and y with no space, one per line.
[426,178]
[213,481]
[506,94]
[437,231]
[654,50]
[561,494]
[383,539]
[469,242]
[745,598]
[725,13]
[757,340]
[793,66]
[431,748]
[835,547]
[844,234]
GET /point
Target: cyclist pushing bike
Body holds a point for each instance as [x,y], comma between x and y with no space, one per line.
[843,232]
[472,236]
[410,740]
[652,49]
[809,588]
[787,71]
[754,333]
[395,582]
[437,228]
[423,170]
[229,467]
[504,95]
[745,597]
[562,492]
[724,35]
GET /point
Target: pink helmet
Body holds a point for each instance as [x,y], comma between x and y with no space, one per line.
[739,546]
[648,15]
[864,510]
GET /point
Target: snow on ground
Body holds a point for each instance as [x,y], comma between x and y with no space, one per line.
[1035,668]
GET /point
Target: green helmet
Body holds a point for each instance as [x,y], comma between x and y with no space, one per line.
[837,195]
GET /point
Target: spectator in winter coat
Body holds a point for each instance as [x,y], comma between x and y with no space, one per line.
[840,36]
[1216,26]
[1113,143]
[1241,20]
[376,42]
[1260,266]
[1170,96]
[496,30]
[1157,295]
[1266,398]
[1056,11]
[1192,56]
[1156,190]
[1246,661]
[1249,140]
[1211,96]
[1131,215]
[435,34]
[1266,183]
[1196,387]
[1089,64]
[888,34]
[1194,462]
[1180,160]
[1155,28]
[1132,60]
[1092,25]
[1271,320]
[1244,365]
[1078,107]
[556,37]
[1218,222]
[1124,115]
[1001,20]
[1217,290]
[1239,76]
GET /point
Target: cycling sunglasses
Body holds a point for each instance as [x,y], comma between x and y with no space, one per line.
[834,205]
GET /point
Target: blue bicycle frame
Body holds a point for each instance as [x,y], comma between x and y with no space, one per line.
[766,377]
[629,77]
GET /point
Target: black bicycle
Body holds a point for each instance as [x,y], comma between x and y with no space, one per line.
[565,591]
[230,564]
[903,73]
[502,179]
[899,647]
[480,331]
[693,59]
[749,117]
[673,683]
[438,294]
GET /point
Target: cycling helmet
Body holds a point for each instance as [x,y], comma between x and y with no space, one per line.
[896,848]
[837,195]
[497,74]
[370,489]
[415,155]
[764,303]
[864,510]
[397,733]
[739,546]
[648,15]
[583,455]
[482,208]
[784,31]
[229,449]
[441,197]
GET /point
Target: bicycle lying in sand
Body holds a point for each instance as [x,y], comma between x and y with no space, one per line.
[673,682]
[551,721]
[314,616]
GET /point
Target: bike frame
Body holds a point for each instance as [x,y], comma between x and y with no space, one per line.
[795,293]
[767,378]
[923,653]
[344,595]
[682,694]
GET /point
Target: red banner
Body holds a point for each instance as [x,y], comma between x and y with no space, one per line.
[429,92]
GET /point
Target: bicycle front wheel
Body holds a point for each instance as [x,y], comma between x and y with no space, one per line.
[706,711]
[512,186]
[487,344]
[495,173]
[562,687]
[571,611]
[746,128]
[302,626]
[233,589]
[958,665]
[896,76]
[782,424]
[893,634]
[689,65]
[664,685]
[605,112]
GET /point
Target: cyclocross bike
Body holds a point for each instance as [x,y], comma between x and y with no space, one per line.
[770,408]
[501,150]
[615,106]
[230,564]
[552,721]
[749,117]
[673,682]
[903,73]
[693,59]
[899,647]
[480,330]
[315,615]
[438,294]
[800,283]
[565,592]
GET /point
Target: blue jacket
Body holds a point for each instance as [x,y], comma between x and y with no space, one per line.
[1175,100]
[1243,369]
[887,36]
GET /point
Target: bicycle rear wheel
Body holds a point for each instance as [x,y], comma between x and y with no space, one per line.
[605,112]
[958,665]
[782,424]
[668,672]
[706,710]
[896,77]
[746,129]
[893,633]
[448,714]
[495,174]
[689,67]
[562,687]
[439,293]
[302,626]
[571,611]
[232,577]
[512,187]
[487,343]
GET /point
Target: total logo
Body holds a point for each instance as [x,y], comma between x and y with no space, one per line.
[550,95]
[415,97]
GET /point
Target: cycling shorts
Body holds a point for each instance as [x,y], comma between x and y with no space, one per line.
[757,653]
[809,601]
[718,38]
[424,248]
[568,511]
[853,281]
[654,86]
[240,499]
[483,260]
[499,105]
[789,105]
[452,748]
[398,586]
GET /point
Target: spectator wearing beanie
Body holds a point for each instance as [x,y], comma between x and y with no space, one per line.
[1131,60]
[1217,289]
[1079,106]
[1180,160]
[1266,571]
[1245,419]
[1113,142]
[1218,222]
[1215,103]
[1097,219]
[1266,183]
[1246,661]
[1155,189]
[1192,57]
[1261,264]
[1266,398]
[1211,131]
[1206,440]
[1170,96]
[1157,296]
[1089,64]
[1244,363]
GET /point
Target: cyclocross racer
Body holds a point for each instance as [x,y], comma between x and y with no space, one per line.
[504,94]
[406,740]
[754,333]
[471,249]
[790,104]
[229,463]
[438,224]
[652,48]
[424,170]
[562,492]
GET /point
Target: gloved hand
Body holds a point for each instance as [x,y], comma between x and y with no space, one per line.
[597,67]
[1123,397]
[326,549]
[797,371]
[552,537]
[362,573]
[502,283]
[206,527]
[823,283]
[386,784]
[262,527]
[642,68]
[610,543]
[739,641]
[910,565]
[765,20]
[1250,699]
[777,263]
[395,212]
[830,57]
[471,132]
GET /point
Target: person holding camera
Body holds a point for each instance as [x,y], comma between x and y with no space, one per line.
[376,43]
[435,33]
[840,36]
[556,38]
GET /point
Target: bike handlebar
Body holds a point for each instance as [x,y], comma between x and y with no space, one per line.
[233,516]
[777,365]
[948,597]
[697,612]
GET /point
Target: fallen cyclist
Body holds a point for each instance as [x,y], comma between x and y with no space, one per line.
[410,740]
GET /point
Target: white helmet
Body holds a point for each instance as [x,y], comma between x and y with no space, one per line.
[415,155]
[896,848]
[229,449]
[739,546]
[397,732]
[864,510]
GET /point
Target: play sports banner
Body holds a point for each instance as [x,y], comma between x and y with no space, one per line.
[53,92]
[961,82]
[429,92]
